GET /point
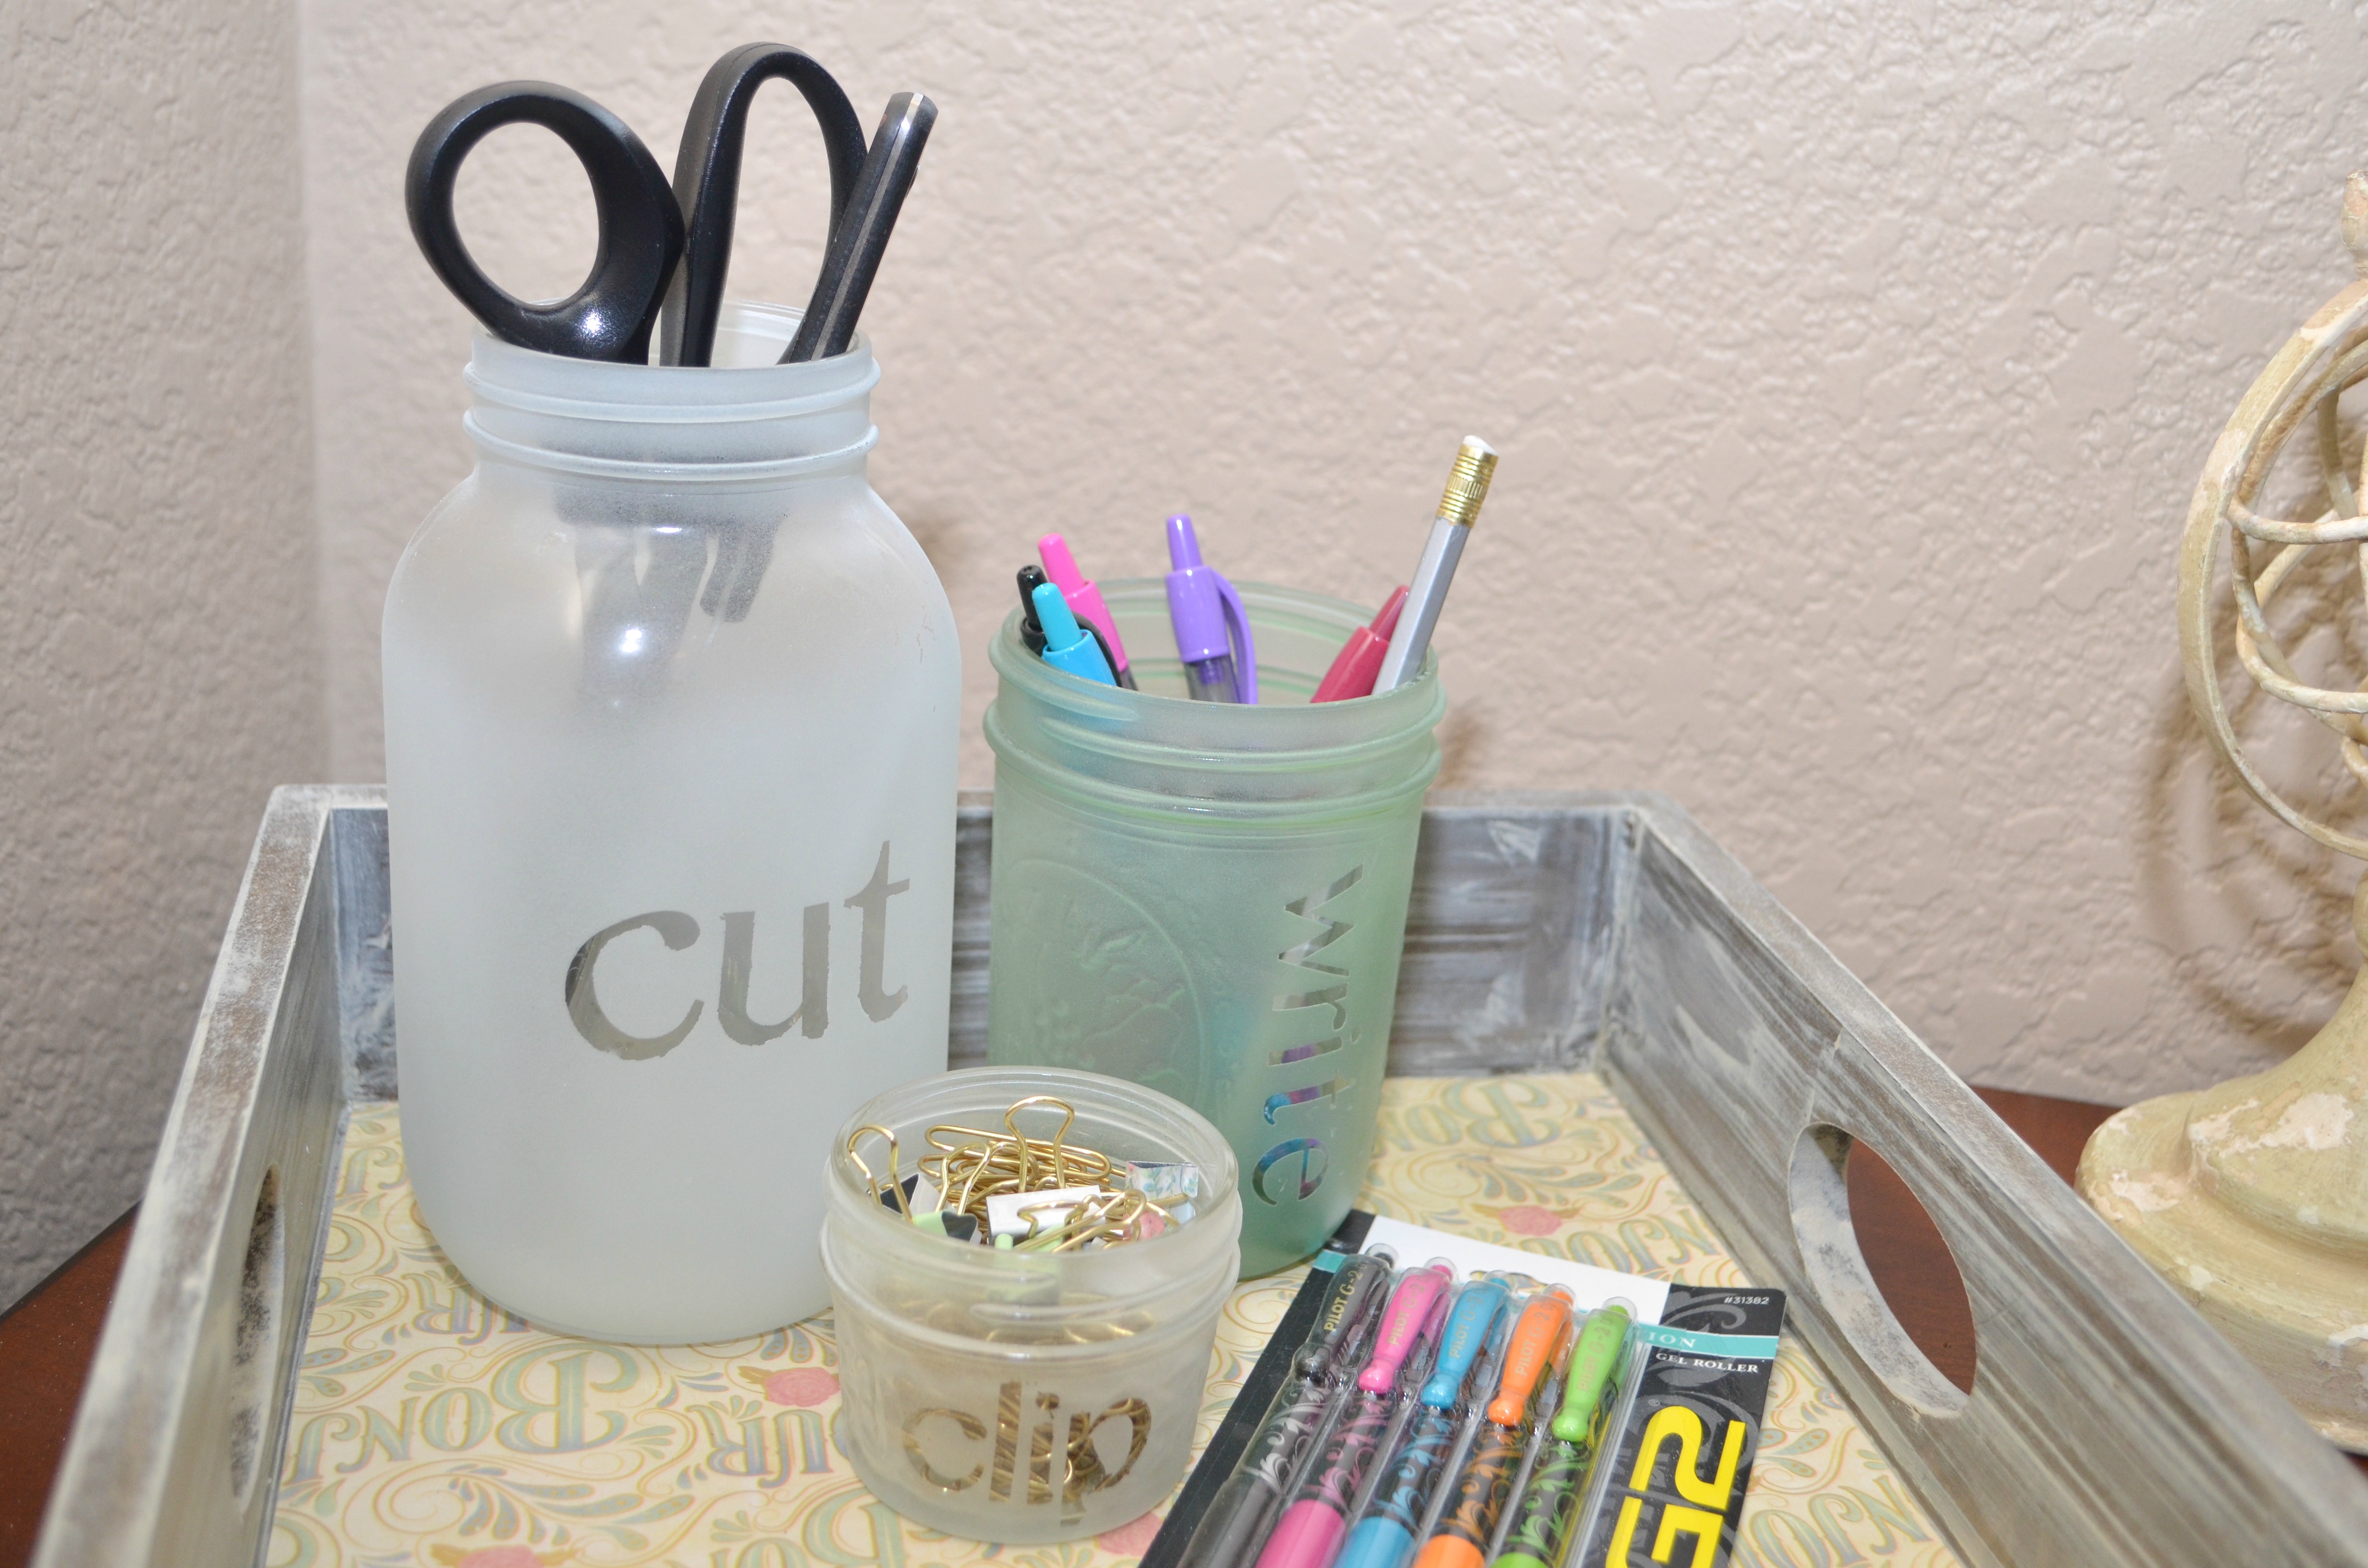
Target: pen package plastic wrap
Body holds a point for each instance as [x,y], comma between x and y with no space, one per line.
[1233,1525]
[1537,1527]
[1465,1520]
[1359,1421]
[1309,1532]
[1671,1489]
[1428,1439]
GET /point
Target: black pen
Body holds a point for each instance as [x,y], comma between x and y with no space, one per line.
[1238,1515]
[1031,631]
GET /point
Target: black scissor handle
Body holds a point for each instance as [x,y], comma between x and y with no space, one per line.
[707,179]
[640,228]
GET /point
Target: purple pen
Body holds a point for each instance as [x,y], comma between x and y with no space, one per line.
[1213,631]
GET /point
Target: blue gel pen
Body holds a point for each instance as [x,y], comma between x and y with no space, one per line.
[1383,1536]
[1066,646]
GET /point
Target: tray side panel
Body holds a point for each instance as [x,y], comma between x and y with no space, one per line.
[1511,931]
[1511,935]
[365,948]
[176,1447]
[2108,1423]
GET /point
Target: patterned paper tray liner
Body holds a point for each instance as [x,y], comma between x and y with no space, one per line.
[431,1430]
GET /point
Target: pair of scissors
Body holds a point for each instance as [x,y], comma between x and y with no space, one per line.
[665,249]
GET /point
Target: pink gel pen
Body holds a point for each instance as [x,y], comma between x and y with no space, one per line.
[1308,1534]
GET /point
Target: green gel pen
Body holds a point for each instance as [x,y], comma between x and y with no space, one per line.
[1549,1504]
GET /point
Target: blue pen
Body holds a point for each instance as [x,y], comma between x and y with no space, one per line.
[1383,1536]
[1066,646]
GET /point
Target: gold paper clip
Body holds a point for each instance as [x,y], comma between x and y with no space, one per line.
[896,1185]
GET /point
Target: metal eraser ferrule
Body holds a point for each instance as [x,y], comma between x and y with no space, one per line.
[1468,485]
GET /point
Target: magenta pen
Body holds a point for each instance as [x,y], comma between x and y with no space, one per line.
[1398,1505]
[1086,598]
[1308,1534]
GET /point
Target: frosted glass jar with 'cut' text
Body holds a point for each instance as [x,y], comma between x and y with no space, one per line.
[672,703]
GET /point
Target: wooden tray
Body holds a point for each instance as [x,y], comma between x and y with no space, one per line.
[2106,1424]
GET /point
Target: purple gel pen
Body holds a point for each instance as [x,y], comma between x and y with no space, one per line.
[1212,632]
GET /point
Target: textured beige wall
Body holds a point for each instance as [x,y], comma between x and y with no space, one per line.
[1852,367]
[159,657]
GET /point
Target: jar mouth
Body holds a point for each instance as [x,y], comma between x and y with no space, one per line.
[1149,1120]
[1146,802]
[1113,1117]
[1298,633]
[1157,752]
[749,474]
[745,419]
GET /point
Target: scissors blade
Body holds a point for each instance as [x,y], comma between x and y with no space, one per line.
[863,233]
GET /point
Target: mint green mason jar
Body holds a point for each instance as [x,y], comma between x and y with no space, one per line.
[1211,899]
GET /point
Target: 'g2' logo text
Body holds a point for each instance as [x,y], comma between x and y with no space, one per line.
[1703,1514]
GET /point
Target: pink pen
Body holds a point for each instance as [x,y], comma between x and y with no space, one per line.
[1085,599]
[1308,1534]
[1359,659]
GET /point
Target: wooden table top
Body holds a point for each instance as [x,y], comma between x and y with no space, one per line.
[47,1341]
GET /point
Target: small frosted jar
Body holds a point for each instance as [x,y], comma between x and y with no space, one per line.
[1026,1396]
[672,705]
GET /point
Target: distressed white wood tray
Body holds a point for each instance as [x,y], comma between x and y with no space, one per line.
[2106,1424]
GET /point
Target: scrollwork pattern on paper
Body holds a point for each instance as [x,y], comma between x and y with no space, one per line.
[432,1429]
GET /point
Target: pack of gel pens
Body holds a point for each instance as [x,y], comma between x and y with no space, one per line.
[1671,1489]
[1431,1402]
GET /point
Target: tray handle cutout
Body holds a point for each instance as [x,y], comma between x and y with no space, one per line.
[1837,1268]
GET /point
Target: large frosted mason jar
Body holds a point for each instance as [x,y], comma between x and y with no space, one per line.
[672,702]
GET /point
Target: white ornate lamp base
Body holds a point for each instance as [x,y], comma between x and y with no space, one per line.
[2252,1199]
